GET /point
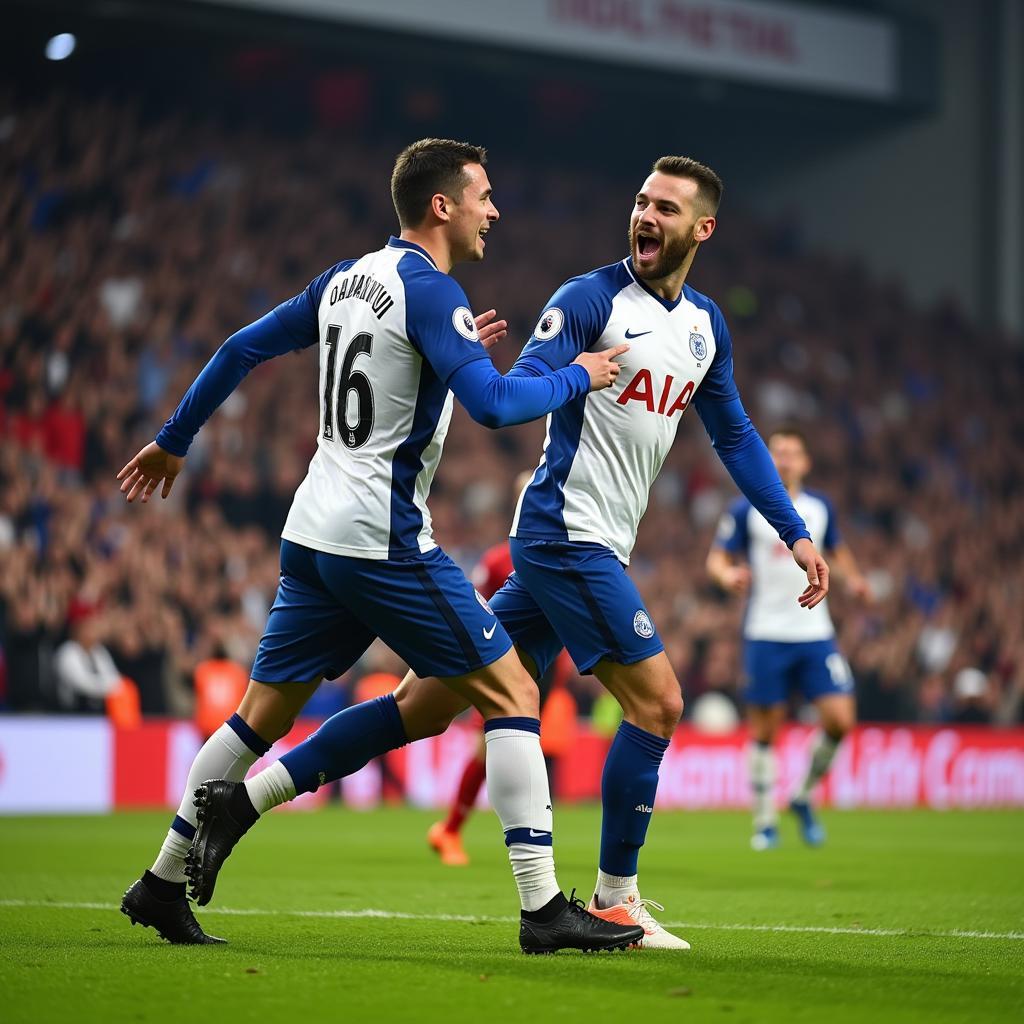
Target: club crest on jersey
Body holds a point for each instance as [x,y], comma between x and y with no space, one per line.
[462,321]
[549,324]
[642,625]
[698,346]
[483,602]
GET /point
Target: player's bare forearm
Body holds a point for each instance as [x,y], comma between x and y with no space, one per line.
[718,564]
[848,571]
[727,572]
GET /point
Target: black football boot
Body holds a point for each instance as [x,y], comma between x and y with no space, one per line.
[225,814]
[566,924]
[172,918]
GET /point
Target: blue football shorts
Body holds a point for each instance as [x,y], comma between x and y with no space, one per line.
[577,596]
[330,608]
[815,668]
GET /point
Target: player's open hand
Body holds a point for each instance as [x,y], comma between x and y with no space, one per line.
[601,366]
[816,567]
[491,331]
[143,473]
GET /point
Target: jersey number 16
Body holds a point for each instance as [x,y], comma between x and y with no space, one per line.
[353,435]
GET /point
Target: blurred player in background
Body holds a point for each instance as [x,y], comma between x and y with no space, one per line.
[396,338]
[576,522]
[445,837]
[785,648]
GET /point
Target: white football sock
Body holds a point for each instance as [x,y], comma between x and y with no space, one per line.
[822,753]
[517,785]
[223,756]
[270,787]
[170,861]
[761,768]
[614,889]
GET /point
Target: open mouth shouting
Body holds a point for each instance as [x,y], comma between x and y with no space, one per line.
[646,248]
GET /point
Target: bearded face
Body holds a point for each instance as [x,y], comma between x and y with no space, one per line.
[658,252]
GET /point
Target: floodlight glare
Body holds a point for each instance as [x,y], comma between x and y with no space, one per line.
[61,46]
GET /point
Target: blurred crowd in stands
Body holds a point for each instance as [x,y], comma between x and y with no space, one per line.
[132,247]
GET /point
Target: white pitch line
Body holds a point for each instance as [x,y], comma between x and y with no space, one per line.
[399,915]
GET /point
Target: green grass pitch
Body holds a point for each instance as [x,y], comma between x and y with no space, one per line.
[901,917]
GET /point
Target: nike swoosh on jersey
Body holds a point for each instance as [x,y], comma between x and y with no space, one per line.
[488,633]
[639,334]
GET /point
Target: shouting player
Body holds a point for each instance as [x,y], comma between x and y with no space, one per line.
[576,521]
[358,560]
[784,649]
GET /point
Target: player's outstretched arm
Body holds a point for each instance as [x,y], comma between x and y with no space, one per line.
[440,325]
[745,455]
[496,401]
[268,337]
[162,460]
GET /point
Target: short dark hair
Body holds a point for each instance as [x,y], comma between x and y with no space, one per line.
[426,168]
[791,430]
[709,184]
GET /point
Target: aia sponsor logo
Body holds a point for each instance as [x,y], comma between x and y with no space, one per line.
[671,398]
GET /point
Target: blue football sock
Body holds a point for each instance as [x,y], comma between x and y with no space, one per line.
[346,742]
[628,787]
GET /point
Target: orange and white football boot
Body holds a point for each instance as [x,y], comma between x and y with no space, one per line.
[634,911]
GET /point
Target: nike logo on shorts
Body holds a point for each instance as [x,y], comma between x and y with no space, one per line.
[488,633]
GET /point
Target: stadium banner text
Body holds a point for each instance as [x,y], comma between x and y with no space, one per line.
[68,765]
[796,46]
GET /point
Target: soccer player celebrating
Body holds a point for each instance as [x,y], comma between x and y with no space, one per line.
[576,521]
[396,337]
[785,649]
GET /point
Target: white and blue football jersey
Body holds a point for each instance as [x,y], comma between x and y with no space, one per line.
[776,580]
[392,331]
[604,450]
[394,335]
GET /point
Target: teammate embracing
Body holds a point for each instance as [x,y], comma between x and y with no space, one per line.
[576,521]
[783,648]
[396,341]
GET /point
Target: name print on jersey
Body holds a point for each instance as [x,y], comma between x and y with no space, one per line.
[363,286]
[641,389]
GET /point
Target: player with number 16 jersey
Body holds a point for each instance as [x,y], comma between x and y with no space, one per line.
[396,338]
